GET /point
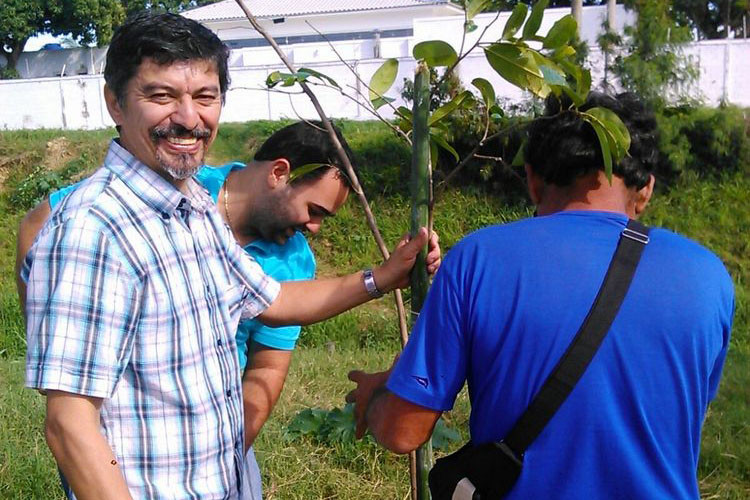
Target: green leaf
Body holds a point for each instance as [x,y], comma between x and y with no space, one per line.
[285,79]
[518,159]
[577,100]
[604,144]
[383,79]
[474,7]
[404,119]
[561,32]
[320,76]
[563,52]
[448,108]
[486,90]
[470,27]
[288,80]
[616,130]
[435,53]
[382,101]
[516,19]
[553,74]
[497,110]
[273,79]
[584,83]
[433,154]
[535,19]
[553,77]
[440,141]
[305,169]
[516,64]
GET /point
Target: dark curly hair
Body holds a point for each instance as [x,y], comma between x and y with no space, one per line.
[164,38]
[303,143]
[561,147]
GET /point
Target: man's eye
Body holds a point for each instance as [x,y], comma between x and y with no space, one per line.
[207,98]
[160,96]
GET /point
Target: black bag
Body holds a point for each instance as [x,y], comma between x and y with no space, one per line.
[491,468]
[489,471]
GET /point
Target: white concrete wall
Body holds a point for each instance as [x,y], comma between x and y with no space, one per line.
[77,103]
[66,62]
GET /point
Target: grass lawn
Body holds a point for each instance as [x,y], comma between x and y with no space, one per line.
[711,211]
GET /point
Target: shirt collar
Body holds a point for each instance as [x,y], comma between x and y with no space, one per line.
[152,188]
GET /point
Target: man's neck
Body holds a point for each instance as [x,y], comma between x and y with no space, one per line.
[592,192]
[236,203]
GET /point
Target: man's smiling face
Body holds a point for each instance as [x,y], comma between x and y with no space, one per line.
[169,115]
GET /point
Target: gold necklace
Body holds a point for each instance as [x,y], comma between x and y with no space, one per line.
[226,202]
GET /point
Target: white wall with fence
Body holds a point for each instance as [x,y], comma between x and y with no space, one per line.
[76,102]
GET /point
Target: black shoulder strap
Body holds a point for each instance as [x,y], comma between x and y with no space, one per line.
[581,351]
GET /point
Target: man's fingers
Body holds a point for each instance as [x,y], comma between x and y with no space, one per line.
[355,375]
[416,243]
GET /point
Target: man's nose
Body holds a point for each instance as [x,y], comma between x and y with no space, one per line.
[185,114]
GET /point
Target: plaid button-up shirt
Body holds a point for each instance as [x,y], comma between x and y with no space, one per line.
[134,295]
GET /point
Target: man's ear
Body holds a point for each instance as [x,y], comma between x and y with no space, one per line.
[643,196]
[278,174]
[113,106]
[534,184]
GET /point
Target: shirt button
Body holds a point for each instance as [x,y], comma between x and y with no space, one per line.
[229,393]
[218,342]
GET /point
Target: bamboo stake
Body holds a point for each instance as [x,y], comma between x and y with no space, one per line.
[401,310]
[421,199]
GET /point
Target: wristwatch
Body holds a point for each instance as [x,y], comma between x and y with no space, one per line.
[370,286]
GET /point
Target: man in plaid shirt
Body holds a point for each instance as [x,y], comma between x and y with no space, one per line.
[136,287]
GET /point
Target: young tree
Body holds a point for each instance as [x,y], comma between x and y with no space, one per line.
[649,60]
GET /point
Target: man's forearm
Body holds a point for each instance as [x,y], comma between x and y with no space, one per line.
[306,302]
[83,455]
[261,386]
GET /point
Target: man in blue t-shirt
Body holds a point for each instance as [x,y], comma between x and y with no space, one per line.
[509,299]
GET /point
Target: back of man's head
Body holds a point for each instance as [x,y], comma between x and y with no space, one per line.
[305,143]
[164,38]
[562,147]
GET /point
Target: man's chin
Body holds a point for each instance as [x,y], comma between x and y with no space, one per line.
[180,167]
[281,237]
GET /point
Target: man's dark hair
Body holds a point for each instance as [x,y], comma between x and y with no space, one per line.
[303,143]
[561,147]
[165,38]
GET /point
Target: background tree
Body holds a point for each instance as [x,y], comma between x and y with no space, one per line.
[648,59]
[85,21]
[714,19]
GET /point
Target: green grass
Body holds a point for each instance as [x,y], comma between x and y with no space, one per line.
[709,210]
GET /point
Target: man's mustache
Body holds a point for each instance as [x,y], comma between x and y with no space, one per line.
[179,131]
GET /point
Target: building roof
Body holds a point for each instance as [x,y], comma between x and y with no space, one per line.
[229,10]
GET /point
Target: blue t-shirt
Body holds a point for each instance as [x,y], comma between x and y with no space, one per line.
[506,304]
[288,262]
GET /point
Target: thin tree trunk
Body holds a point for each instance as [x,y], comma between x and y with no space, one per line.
[611,14]
[421,188]
[576,8]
